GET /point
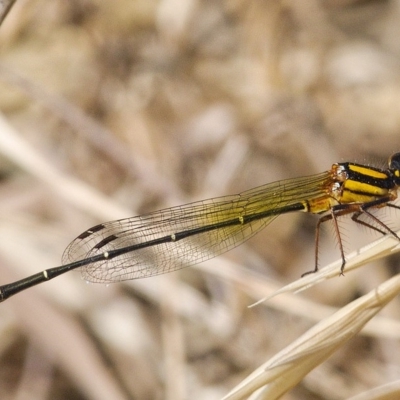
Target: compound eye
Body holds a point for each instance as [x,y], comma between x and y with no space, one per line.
[394,164]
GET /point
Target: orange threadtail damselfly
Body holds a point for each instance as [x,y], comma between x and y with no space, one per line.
[170,239]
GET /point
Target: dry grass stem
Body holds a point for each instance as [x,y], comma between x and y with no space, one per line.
[290,365]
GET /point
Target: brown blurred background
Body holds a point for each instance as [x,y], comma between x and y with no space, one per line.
[124,107]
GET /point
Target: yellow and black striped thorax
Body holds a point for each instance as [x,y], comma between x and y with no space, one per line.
[361,184]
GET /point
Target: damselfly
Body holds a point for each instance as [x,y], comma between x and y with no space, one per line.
[170,239]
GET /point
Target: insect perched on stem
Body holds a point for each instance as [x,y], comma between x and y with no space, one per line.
[170,239]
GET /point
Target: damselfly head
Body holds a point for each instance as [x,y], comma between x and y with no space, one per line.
[394,167]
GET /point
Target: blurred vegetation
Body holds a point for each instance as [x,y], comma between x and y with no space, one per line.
[156,103]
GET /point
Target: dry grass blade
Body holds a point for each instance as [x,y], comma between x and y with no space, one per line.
[256,285]
[289,366]
[389,391]
[380,248]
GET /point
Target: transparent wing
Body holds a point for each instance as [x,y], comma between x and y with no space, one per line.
[264,203]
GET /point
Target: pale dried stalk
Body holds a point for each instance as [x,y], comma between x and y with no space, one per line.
[288,367]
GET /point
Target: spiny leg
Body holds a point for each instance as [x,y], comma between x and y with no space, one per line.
[316,245]
[317,228]
[364,209]
[335,212]
[355,216]
[393,206]
[332,216]
[357,209]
